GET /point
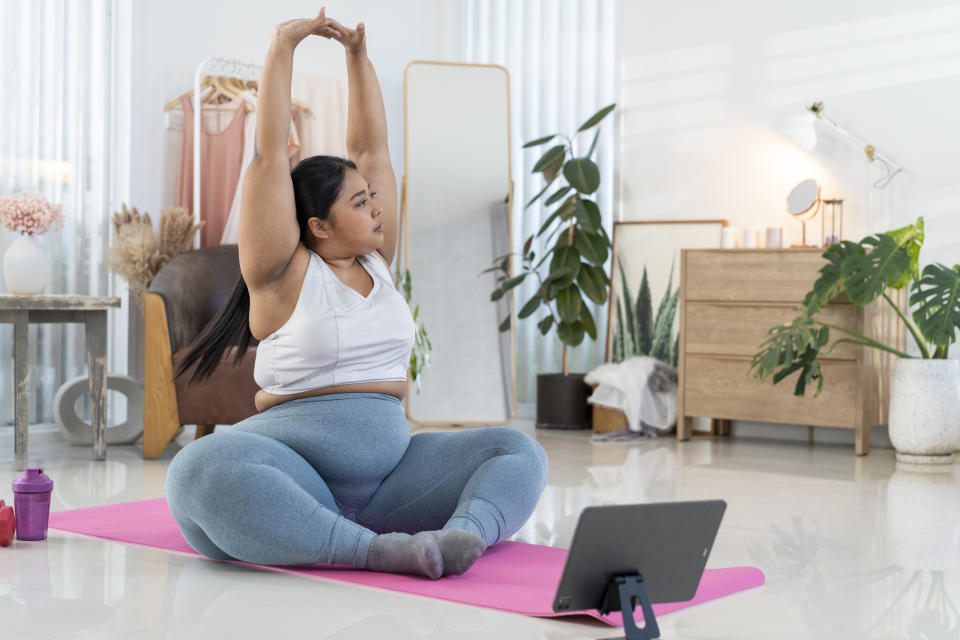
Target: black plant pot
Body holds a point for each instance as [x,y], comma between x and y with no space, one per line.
[562,401]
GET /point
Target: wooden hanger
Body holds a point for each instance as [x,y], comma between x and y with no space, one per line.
[173,104]
[222,88]
[234,83]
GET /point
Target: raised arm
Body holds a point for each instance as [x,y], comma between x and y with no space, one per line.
[268,229]
[367,127]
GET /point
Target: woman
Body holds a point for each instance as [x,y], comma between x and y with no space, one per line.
[327,471]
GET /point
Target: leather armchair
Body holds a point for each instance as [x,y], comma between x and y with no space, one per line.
[182,298]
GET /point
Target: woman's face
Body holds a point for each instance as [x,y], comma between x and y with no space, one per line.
[354,226]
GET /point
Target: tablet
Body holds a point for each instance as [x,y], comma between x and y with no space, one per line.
[666,543]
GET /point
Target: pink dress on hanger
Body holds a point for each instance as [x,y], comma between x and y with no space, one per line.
[231,229]
[221,157]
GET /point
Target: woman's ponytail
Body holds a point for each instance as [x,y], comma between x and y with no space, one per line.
[230,327]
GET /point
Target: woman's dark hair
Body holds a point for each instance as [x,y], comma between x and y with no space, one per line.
[317,182]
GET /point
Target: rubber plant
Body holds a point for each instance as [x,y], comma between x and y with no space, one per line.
[575,243]
[866,271]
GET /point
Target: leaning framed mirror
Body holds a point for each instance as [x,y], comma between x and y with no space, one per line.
[456,214]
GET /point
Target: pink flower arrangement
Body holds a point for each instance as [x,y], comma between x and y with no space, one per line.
[30,214]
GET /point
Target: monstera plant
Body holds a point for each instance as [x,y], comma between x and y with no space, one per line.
[566,255]
[925,399]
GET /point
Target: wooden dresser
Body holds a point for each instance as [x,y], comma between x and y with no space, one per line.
[729,299]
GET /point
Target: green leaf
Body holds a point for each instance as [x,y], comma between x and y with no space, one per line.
[546,223]
[937,299]
[663,337]
[540,141]
[570,334]
[568,237]
[591,281]
[593,145]
[591,246]
[489,269]
[549,158]
[597,117]
[527,244]
[406,284]
[545,324]
[560,274]
[567,257]
[531,305]
[587,321]
[865,275]
[790,348]
[512,282]
[568,304]
[497,294]
[553,170]
[588,213]
[553,289]
[663,324]
[557,195]
[830,283]
[619,335]
[563,212]
[505,325]
[542,191]
[583,174]
[644,317]
[569,208]
[911,238]
[630,328]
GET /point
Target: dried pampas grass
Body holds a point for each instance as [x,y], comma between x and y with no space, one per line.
[138,252]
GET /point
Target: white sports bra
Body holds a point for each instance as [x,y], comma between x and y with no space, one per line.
[336,336]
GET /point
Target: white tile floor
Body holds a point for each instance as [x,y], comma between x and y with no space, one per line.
[852,548]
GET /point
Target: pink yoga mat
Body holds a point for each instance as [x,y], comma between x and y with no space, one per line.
[511,576]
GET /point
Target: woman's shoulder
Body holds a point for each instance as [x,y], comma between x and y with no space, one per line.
[384,268]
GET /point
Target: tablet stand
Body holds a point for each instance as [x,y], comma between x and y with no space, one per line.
[624,593]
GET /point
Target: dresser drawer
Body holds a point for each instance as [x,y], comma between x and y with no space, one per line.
[751,275]
[728,329]
[721,388]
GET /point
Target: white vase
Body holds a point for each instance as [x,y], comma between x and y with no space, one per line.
[25,266]
[925,410]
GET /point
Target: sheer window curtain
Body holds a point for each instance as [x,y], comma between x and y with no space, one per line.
[64,114]
[561,57]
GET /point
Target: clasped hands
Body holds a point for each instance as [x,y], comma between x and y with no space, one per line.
[292,32]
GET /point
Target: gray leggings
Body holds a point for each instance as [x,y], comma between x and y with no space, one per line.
[314,479]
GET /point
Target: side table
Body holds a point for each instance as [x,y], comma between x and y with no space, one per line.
[21,310]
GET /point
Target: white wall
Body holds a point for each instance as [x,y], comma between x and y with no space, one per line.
[171,38]
[705,86]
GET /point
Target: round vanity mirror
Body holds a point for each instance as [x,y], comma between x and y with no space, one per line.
[803,199]
[803,203]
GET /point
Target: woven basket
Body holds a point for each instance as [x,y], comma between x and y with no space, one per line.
[606,420]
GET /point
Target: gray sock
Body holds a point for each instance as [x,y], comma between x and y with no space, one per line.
[459,548]
[403,553]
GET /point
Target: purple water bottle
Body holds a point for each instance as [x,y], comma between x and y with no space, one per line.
[31,499]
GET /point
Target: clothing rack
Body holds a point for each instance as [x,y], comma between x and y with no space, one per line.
[212,66]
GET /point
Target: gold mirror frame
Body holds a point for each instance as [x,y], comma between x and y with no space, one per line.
[814,206]
[404,221]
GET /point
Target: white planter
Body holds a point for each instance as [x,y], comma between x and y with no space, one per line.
[925,410]
[25,266]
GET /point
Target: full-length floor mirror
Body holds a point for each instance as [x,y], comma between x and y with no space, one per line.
[456,211]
